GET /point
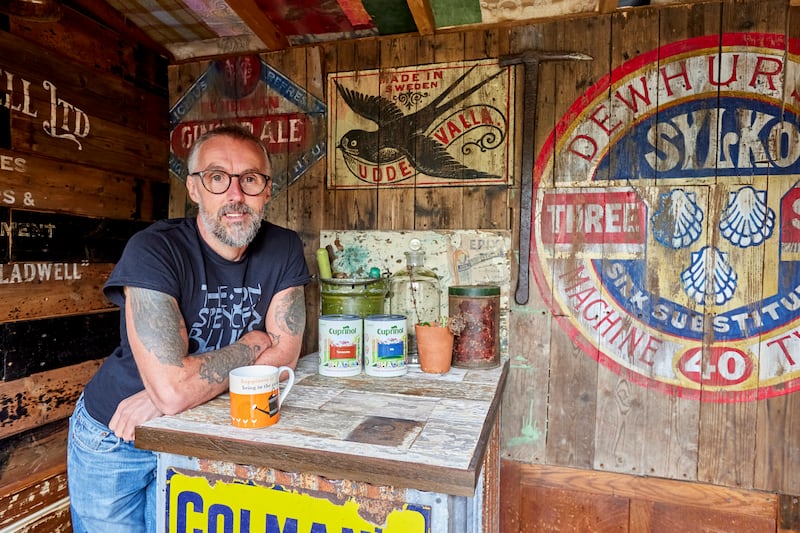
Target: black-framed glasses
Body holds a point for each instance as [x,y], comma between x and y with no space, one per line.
[219,181]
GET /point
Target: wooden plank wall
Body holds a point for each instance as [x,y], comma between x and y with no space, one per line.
[562,408]
[76,180]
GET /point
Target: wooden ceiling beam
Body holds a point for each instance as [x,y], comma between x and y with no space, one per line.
[107,15]
[423,16]
[258,21]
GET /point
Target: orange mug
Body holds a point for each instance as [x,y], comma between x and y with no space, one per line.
[255,395]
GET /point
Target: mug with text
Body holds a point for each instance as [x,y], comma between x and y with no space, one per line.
[255,395]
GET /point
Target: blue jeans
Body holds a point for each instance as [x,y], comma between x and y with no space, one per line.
[112,484]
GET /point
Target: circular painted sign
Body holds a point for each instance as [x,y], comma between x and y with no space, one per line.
[667,230]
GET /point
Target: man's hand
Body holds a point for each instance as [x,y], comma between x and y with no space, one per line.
[131,412]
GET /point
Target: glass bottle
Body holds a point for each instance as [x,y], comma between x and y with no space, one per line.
[414,293]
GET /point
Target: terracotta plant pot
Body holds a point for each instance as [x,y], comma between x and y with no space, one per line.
[435,348]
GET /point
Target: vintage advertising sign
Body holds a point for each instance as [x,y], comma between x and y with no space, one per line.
[247,91]
[668,245]
[196,504]
[430,125]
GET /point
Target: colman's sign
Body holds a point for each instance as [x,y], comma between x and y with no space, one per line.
[667,235]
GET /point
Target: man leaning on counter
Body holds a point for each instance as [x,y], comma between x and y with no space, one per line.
[200,296]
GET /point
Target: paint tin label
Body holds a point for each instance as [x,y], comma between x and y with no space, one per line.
[385,345]
[340,345]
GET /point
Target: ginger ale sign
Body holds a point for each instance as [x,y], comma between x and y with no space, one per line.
[668,243]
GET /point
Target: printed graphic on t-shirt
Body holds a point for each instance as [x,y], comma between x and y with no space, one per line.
[227,314]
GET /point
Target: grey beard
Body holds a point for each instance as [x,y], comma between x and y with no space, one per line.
[240,234]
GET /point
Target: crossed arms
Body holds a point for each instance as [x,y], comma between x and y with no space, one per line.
[175,381]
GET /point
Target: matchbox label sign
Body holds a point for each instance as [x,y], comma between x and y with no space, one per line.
[669,245]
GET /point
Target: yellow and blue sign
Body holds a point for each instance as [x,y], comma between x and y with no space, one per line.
[197,505]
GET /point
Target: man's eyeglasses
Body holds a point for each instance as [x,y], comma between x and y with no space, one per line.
[219,181]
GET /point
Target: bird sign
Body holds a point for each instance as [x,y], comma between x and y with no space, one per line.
[433,125]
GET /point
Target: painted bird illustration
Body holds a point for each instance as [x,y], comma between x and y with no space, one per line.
[401,135]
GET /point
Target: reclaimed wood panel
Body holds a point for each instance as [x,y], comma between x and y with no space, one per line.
[777,432]
[92,43]
[291,64]
[41,398]
[34,346]
[788,514]
[107,145]
[631,435]
[547,509]
[33,478]
[726,445]
[675,456]
[306,200]
[525,401]
[680,493]
[83,165]
[441,207]
[550,498]
[573,384]
[668,517]
[29,458]
[38,496]
[39,236]
[103,96]
[395,205]
[45,290]
[34,182]
[491,482]
[491,209]
[623,407]
[181,79]
[85,119]
[57,520]
[354,209]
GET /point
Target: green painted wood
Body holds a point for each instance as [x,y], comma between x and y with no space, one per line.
[390,16]
[456,12]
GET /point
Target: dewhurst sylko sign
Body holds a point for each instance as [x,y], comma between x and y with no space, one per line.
[667,227]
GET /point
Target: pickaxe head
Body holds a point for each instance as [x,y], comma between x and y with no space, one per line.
[537,56]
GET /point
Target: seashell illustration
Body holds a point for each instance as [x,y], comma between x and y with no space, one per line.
[747,221]
[710,278]
[678,221]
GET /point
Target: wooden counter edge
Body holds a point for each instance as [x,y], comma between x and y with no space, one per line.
[489,423]
[326,464]
[453,481]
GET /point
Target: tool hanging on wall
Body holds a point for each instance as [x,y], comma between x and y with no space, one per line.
[530,60]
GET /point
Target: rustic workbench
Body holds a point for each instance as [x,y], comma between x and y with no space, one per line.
[402,454]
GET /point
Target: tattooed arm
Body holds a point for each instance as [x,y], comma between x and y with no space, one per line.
[286,322]
[173,380]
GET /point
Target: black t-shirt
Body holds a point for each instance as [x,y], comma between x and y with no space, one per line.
[220,300]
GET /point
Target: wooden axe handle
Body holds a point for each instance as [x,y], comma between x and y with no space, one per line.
[530,59]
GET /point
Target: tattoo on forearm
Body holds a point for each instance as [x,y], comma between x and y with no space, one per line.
[217,364]
[276,339]
[157,320]
[158,324]
[292,312]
